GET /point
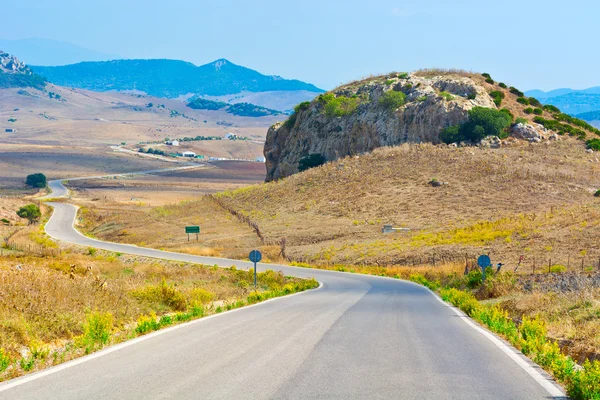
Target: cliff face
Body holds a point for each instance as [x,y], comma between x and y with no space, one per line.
[365,121]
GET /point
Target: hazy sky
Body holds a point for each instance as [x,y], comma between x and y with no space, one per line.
[528,43]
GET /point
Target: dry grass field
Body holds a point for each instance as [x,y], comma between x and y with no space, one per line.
[535,201]
[86,118]
[58,303]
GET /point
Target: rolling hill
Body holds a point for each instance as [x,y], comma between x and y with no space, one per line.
[168,78]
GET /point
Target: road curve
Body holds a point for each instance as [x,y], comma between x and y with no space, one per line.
[359,336]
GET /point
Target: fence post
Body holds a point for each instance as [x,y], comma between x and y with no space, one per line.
[549,264]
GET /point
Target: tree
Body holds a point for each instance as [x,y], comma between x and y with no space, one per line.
[36,180]
[482,122]
[31,212]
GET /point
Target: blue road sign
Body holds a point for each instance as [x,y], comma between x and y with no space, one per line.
[484,261]
[255,256]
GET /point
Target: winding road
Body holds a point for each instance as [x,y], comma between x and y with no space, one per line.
[356,337]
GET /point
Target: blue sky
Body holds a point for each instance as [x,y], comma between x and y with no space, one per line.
[527,43]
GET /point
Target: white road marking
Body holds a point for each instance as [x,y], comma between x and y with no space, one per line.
[52,370]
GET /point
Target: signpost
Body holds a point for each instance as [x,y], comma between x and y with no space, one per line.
[192,229]
[255,257]
[484,261]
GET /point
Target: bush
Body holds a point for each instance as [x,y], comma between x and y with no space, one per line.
[338,106]
[523,100]
[96,331]
[507,112]
[558,269]
[534,102]
[422,98]
[482,122]
[486,75]
[521,120]
[31,212]
[597,194]
[471,96]
[538,111]
[302,107]
[36,180]
[5,361]
[516,91]
[392,100]
[497,95]
[528,110]
[490,81]
[446,96]
[311,161]
[551,108]
[502,85]
[403,75]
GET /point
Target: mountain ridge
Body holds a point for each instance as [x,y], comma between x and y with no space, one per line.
[168,78]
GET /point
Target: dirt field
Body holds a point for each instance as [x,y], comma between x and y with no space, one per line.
[83,118]
[18,161]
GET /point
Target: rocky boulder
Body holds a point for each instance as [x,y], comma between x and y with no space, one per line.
[528,132]
[361,116]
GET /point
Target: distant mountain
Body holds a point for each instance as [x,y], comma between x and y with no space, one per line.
[37,51]
[168,78]
[575,102]
[593,117]
[14,73]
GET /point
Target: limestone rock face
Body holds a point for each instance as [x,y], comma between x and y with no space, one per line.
[12,65]
[432,104]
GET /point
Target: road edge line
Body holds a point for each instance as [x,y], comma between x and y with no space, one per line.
[4,386]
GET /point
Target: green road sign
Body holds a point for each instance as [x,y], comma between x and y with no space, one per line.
[192,229]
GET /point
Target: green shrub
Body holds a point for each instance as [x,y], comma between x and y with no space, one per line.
[534,102]
[502,85]
[523,100]
[5,361]
[521,120]
[528,110]
[27,363]
[486,75]
[558,269]
[389,82]
[291,121]
[420,279]
[497,95]
[446,96]
[490,81]
[403,75]
[507,112]
[305,105]
[533,335]
[538,111]
[482,122]
[422,98]
[451,134]
[551,108]
[392,100]
[338,106]
[597,194]
[471,96]
[585,383]
[560,128]
[311,161]
[96,331]
[516,91]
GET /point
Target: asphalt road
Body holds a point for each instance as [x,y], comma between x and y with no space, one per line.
[357,337]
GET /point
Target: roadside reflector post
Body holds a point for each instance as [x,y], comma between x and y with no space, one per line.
[255,257]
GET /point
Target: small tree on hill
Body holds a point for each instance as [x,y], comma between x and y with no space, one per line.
[30,212]
[36,180]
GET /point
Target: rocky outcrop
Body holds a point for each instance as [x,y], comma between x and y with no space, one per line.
[528,132]
[12,65]
[432,104]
